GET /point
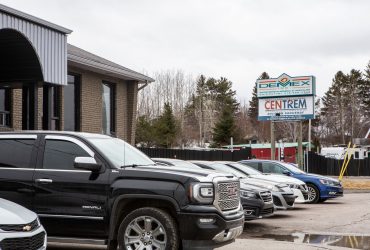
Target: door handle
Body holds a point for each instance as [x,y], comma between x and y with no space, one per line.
[44,181]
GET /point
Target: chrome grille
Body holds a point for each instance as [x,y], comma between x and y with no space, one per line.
[266,196]
[228,195]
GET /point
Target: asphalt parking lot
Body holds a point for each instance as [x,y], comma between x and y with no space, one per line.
[329,225]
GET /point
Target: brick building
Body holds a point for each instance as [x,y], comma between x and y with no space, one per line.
[46,83]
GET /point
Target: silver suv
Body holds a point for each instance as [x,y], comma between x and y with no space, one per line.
[20,228]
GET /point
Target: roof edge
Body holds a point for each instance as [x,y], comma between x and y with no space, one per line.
[34,19]
[120,72]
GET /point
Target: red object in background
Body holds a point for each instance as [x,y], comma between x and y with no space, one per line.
[265,153]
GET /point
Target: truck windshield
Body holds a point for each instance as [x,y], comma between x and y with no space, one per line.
[121,153]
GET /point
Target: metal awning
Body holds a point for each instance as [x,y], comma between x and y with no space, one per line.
[48,40]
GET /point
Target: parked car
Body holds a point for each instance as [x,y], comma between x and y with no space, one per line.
[320,188]
[283,196]
[89,186]
[20,228]
[299,188]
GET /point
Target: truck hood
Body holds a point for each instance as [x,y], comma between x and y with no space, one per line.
[279,178]
[172,173]
[12,213]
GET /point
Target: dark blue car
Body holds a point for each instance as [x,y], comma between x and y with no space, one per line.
[320,188]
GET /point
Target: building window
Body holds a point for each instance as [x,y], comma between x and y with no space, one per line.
[108,97]
[51,106]
[5,104]
[72,95]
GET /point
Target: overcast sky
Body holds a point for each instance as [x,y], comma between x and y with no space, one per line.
[237,39]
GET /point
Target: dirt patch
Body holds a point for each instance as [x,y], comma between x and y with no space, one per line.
[356,184]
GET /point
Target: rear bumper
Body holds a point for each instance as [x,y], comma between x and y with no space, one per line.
[219,232]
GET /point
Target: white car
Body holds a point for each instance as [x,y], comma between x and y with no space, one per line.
[298,187]
[20,228]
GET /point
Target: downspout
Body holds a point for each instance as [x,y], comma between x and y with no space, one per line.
[143,86]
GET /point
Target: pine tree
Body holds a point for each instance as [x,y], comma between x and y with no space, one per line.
[144,132]
[253,103]
[365,93]
[224,128]
[166,127]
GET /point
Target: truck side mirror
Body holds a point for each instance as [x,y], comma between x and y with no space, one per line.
[87,163]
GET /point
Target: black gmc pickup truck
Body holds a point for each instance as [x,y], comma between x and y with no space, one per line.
[95,188]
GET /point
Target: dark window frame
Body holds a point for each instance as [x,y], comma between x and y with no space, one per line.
[44,154]
[7,112]
[112,88]
[77,100]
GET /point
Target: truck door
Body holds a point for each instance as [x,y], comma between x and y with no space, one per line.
[67,198]
[17,161]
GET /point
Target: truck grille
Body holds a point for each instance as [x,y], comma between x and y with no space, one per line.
[266,196]
[229,195]
[29,243]
[20,227]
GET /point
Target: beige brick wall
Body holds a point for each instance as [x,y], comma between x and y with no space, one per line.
[40,107]
[91,104]
[16,109]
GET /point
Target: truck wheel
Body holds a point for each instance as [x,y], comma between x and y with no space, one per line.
[313,193]
[148,228]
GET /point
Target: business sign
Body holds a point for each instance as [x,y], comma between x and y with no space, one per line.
[286,108]
[285,85]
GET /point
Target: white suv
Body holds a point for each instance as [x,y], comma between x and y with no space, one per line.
[20,228]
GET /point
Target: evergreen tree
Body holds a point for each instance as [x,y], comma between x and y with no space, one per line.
[144,132]
[253,103]
[166,127]
[224,128]
[365,93]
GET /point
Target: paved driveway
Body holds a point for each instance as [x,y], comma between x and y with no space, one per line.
[320,224]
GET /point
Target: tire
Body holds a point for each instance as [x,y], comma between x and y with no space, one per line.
[150,227]
[313,194]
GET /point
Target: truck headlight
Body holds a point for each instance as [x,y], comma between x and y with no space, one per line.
[202,193]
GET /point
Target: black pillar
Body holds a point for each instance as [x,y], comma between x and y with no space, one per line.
[30,107]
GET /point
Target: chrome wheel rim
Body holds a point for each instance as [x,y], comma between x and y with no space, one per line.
[311,194]
[145,233]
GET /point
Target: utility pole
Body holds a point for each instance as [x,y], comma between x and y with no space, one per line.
[272,141]
[309,135]
[300,148]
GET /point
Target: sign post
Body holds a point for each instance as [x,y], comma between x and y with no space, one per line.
[286,98]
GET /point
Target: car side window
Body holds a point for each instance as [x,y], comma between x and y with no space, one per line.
[16,153]
[60,154]
[253,165]
[272,168]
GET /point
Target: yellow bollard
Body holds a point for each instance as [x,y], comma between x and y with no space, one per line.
[348,159]
[344,161]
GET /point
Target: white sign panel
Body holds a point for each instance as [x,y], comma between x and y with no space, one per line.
[286,85]
[286,108]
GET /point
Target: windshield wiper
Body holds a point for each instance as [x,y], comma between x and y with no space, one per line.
[130,166]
